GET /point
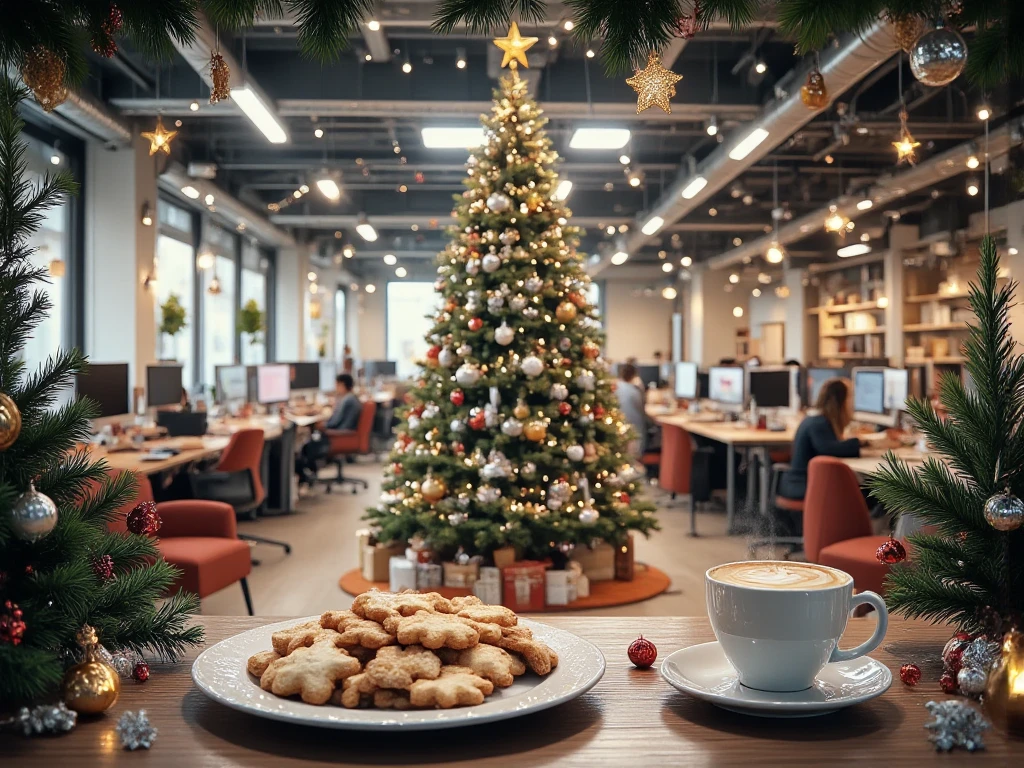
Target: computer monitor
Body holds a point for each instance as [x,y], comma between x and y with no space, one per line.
[163,385]
[305,375]
[773,387]
[725,385]
[232,383]
[328,375]
[818,376]
[703,384]
[869,394]
[107,385]
[649,375]
[273,383]
[375,368]
[686,381]
[897,385]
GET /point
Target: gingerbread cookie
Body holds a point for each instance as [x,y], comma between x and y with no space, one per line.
[435,630]
[287,640]
[259,662]
[486,661]
[472,607]
[355,691]
[379,606]
[539,657]
[356,631]
[396,667]
[386,698]
[363,654]
[311,672]
[453,688]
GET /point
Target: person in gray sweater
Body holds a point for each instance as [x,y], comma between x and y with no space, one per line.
[347,407]
[631,403]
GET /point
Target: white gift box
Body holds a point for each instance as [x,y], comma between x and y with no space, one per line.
[558,587]
[402,573]
[582,586]
[489,574]
[429,575]
[488,591]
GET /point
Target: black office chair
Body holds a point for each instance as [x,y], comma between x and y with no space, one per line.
[792,543]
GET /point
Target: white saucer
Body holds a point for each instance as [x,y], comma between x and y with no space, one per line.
[704,672]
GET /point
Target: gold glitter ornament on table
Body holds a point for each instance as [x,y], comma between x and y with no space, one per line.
[220,74]
[654,85]
[10,422]
[814,93]
[515,47]
[159,138]
[92,686]
[43,71]
[906,147]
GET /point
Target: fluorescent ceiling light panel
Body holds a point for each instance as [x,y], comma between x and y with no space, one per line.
[696,184]
[620,258]
[329,188]
[260,114]
[653,225]
[857,249]
[748,144]
[864,204]
[190,192]
[599,138]
[366,231]
[464,137]
[562,190]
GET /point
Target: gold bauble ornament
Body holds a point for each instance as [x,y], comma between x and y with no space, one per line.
[1004,690]
[521,411]
[814,93]
[433,489]
[907,30]
[43,72]
[566,312]
[10,422]
[92,686]
[535,431]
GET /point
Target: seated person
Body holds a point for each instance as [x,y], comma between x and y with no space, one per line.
[631,402]
[821,435]
[347,407]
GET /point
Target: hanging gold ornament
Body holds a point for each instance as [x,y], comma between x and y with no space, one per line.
[433,489]
[814,93]
[43,72]
[159,138]
[535,431]
[654,85]
[907,30]
[220,74]
[515,47]
[521,411]
[566,312]
[10,422]
[1004,690]
[92,686]
[906,147]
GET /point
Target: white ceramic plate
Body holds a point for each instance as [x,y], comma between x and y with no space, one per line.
[704,672]
[220,673]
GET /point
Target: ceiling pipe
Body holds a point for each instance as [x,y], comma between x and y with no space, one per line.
[887,189]
[842,67]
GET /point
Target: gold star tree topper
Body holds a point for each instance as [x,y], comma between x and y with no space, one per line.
[654,85]
[515,47]
[159,138]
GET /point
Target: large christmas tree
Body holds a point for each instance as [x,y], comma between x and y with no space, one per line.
[512,436]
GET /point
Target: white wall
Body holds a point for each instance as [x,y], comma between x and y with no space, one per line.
[636,325]
[288,302]
[369,330]
[712,326]
[769,308]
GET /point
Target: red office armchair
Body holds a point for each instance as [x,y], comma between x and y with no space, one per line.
[837,524]
[199,539]
[344,443]
[676,469]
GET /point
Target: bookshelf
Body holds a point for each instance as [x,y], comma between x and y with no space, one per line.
[848,323]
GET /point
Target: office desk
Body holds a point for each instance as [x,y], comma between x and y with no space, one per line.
[870,460]
[307,421]
[130,461]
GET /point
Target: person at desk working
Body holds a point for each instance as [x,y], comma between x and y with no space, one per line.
[347,408]
[631,402]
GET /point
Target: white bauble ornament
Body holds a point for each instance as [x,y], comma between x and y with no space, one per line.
[498,202]
[574,453]
[430,411]
[446,357]
[467,375]
[533,284]
[529,469]
[472,306]
[495,303]
[512,427]
[490,262]
[455,519]
[532,366]
[457,425]
[463,350]
[517,303]
[33,515]
[509,237]
[589,515]
[564,343]
[504,334]
[586,381]
[414,422]
[473,266]
[487,494]
[554,504]
[938,57]
[531,313]
[559,391]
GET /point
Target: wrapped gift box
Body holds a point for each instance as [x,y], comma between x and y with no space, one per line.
[582,586]
[462,576]
[429,575]
[489,574]
[376,561]
[560,587]
[488,591]
[363,540]
[504,557]
[598,564]
[403,574]
[624,562]
[524,585]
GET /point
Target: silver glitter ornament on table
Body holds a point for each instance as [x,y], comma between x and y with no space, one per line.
[971,681]
[33,515]
[135,730]
[1004,511]
[980,654]
[956,724]
[46,719]
[938,57]
[498,202]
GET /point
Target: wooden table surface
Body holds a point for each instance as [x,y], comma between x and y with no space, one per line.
[729,432]
[631,718]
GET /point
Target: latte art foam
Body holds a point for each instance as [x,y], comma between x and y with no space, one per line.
[774,575]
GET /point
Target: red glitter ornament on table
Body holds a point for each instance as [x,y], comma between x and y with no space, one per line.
[564,408]
[910,674]
[103,567]
[141,672]
[475,324]
[457,397]
[12,624]
[948,683]
[144,519]
[953,652]
[891,552]
[642,653]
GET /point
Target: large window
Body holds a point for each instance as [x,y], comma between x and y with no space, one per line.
[254,288]
[340,327]
[176,274]
[219,301]
[411,307]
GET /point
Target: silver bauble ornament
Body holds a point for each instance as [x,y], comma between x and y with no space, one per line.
[495,303]
[457,425]
[503,334]
[564,343]
[414,421]
[971,681]
[467,375]
[473,266]
[586,381]
[498,202]
[1004,511]
[490,262]
[938,57]
[589,515]
[33,515]
[509,237]
[532,366]
[528,469]
[517,303]
[531,313]
[533,284]
[463,350]
[488,494]
[574,453]
[446,357]
[512,427]
[559,391]
[455,519]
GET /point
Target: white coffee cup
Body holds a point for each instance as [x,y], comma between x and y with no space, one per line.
[779,622]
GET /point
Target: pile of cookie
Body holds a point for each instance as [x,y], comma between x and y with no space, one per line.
[402,651]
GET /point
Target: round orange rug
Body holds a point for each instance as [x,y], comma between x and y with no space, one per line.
[648,582]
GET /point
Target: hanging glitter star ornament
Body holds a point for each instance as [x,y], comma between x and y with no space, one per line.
[159,138]
[906,147]
[654,85]
[515,47]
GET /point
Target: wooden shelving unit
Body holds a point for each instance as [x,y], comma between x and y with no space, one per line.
[847,317]
[926,297]
[845,333]
[934,327]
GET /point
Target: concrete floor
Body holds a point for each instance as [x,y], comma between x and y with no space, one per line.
[322,535]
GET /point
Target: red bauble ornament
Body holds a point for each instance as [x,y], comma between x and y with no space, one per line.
[963,637]
[910,674]
[12,624]
[953,652]
[103,567]
[624,498]
[457,397]
[566,362]
[396,468]
[564,408]
[578,299]
[141,672]
[891,552]
[144,519]
[417,411]
[948,683]
[475,324]
[642,653]
[479,421]
[598,411]
[458,448]
[29,570]
[433,352]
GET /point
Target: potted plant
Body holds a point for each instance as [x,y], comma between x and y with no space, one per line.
[172,317]
[250,321]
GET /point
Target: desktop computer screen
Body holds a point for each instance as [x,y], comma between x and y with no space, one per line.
[163,385]
[328,374]
[232,383]
[725,385]
[703,385]
[896,388]
[273,383]
[771,388]
[649,375]
[305,375]
[869,391]
[375,368]
[686,380]
[818,376]
[107,385]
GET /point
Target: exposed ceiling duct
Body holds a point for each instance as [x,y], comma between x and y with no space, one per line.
[884,191]
[842,68]
[96,119]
